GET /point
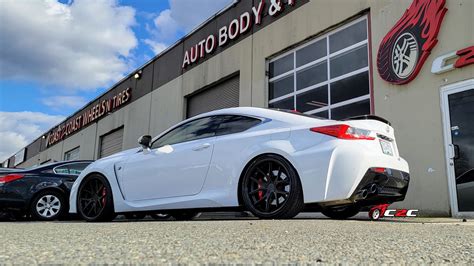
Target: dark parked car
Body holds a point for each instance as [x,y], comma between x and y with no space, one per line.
[41,192]
[8,170]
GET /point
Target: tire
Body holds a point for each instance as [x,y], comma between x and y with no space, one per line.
[95,200]
[271,188]
[135,216]
[341,213]
[48,206]
[184,216]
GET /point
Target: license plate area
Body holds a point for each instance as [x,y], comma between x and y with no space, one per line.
[387,147]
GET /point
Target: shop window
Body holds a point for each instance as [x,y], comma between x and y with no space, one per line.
[72,154]
[327,77]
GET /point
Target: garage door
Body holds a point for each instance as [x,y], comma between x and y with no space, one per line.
[222,95]
[111,143]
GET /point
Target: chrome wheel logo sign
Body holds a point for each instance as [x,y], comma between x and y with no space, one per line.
[404,55]
[405,48]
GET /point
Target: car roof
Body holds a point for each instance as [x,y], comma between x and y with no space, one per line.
[52,165]
[274,114]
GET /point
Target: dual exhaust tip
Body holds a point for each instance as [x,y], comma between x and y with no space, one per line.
[364,193]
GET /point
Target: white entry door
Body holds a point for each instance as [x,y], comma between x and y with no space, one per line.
[457,102]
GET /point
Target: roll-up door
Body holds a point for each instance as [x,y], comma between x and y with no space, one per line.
[111,143]
[222,95]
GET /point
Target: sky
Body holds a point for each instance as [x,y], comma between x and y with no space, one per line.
[57,55]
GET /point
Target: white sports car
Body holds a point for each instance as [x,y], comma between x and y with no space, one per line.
[272,163]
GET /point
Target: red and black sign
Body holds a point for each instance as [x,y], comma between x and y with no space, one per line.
[408,44]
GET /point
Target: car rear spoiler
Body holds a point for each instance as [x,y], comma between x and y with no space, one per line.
[369,117]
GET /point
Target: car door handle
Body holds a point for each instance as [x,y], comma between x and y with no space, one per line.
[453,151]
[456,151]
[202,147]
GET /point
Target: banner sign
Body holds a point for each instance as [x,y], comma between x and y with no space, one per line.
[88,116]
[236,27]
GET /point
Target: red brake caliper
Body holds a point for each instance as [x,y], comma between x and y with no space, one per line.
[260,193]
[104,192]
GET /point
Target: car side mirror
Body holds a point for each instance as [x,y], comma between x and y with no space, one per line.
[144,141]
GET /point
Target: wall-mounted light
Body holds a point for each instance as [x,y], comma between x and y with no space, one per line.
[43,137]
[138,75]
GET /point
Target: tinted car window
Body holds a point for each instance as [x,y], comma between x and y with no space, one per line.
[467,177]
[71,169]
[234,124]
[193,130]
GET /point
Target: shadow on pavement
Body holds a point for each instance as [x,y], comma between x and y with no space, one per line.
[238,216]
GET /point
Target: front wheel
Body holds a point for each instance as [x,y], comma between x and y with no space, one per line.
[341,213]
[271,188]
[94,201]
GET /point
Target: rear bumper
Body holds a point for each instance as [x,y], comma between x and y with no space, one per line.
[378,187]
[10,200]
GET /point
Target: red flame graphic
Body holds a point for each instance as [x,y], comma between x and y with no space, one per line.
[423,20]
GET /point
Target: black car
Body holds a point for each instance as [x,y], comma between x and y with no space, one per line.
[8,170]
[41,192]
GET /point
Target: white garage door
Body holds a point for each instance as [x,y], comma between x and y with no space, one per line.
[222,95]
[111,143]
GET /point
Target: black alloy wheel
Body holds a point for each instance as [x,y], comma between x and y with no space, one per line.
[95,203]
[271,188]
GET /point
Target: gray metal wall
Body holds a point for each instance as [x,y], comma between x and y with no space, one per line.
[111,143]
[222,95]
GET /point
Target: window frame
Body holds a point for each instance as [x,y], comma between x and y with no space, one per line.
[327,58]
[157,138]
[78,148]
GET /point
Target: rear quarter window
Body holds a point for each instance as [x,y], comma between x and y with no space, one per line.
[235,124]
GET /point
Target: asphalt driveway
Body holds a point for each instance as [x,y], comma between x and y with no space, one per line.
[218,239]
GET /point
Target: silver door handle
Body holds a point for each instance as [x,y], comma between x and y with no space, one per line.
[451,151]
[202,147]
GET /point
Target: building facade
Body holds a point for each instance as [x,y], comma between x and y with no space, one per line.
[407,61]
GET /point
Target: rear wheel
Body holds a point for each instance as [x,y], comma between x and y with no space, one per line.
[271,188]
[95,202]
[341,213]
[48,206]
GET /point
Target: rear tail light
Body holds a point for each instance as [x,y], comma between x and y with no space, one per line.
[379,170]
[10,178]
[344,132]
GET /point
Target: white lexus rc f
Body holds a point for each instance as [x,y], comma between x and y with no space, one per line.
[272,163]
